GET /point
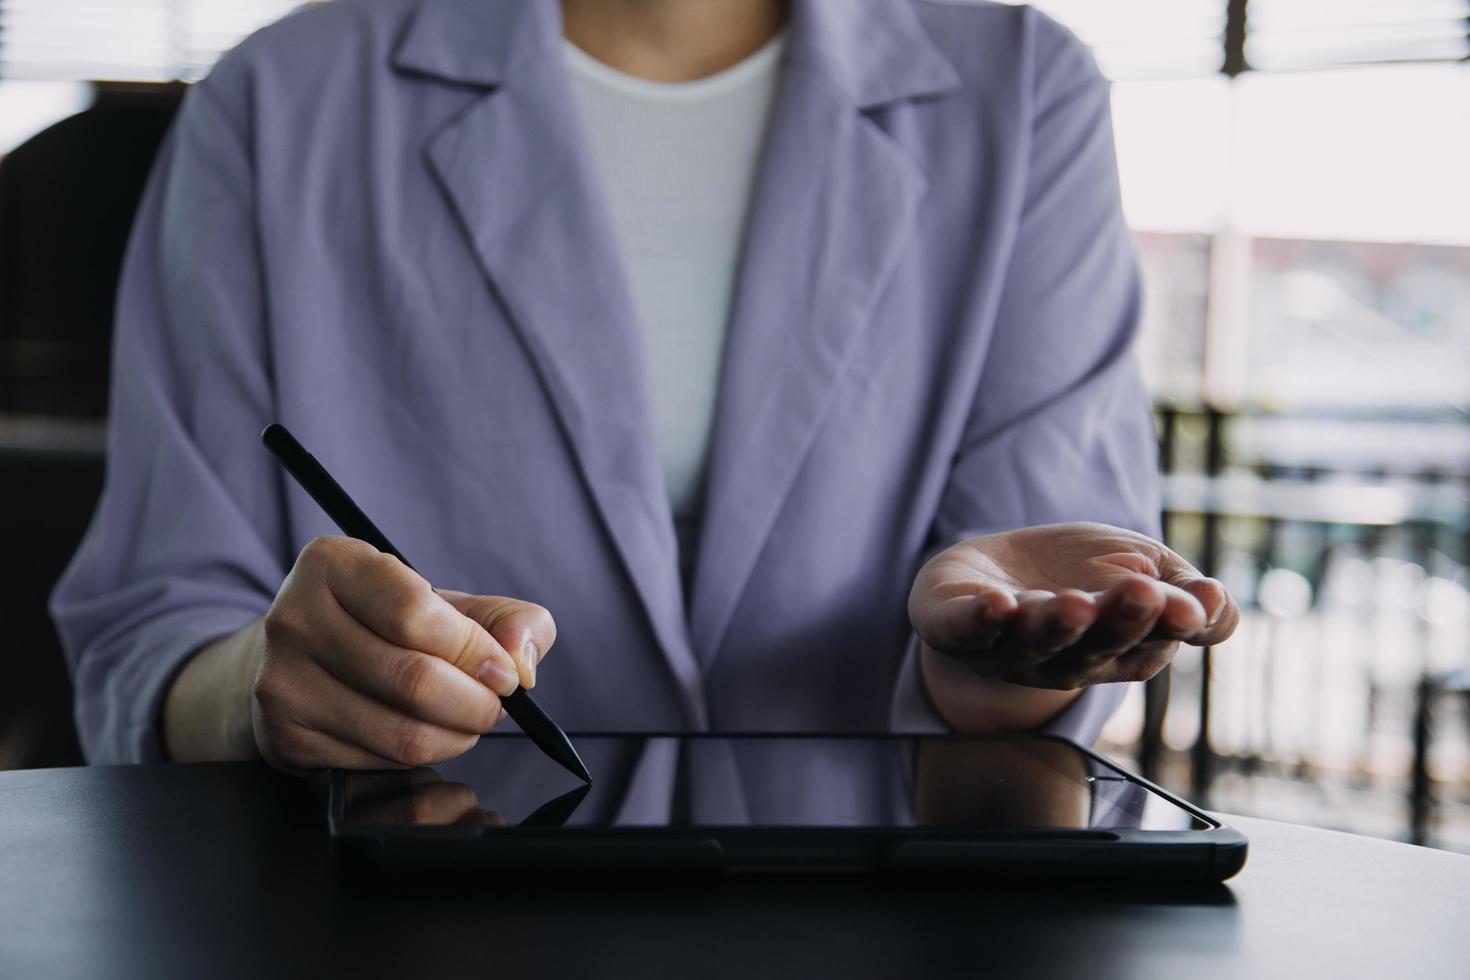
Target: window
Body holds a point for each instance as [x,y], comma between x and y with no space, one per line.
[51,49]
[1291,34]
[1136,39]
[124,40]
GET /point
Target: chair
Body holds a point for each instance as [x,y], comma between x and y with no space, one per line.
[46,499]
[67,198]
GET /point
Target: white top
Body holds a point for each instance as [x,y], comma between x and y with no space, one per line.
[678,162]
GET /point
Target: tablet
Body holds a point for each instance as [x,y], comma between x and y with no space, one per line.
[741,803]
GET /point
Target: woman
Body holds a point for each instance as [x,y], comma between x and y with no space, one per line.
[697,325]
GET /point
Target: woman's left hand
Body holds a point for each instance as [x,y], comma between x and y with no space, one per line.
[1064,606]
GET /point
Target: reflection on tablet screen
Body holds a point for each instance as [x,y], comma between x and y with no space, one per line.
[665,781]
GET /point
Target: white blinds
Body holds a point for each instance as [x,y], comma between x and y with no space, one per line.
[1140,39]
[1287,34]
[1135,39]
[124,40]
[152,40]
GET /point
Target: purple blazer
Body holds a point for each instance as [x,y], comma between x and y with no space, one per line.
[376,221]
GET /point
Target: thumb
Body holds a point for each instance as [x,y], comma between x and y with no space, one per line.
[525,630]
[1221,612]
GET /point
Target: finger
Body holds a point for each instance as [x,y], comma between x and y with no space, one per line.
[397,604]
[523,629]
[1078,667]
[1126,614]
[965,624]
[1222,613]
[1066,670]
[376,728]
[1183,614]
[1144,661]
[301,750]
[1048,622]
[1045,625]
[416,683]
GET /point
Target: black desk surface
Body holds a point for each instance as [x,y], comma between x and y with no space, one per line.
[223,870]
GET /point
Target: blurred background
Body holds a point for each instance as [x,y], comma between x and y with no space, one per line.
[1296,173]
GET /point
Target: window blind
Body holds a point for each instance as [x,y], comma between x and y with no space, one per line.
[1139,39]
[1293,34]
[160,40]
[124,40]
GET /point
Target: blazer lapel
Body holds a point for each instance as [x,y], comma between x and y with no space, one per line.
[834,207]
[515,171]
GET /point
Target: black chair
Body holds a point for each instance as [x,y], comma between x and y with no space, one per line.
[67,199]
[46,499]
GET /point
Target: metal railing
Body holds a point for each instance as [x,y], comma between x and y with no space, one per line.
[1354,581]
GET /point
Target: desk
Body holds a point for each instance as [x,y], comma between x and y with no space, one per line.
[223,870]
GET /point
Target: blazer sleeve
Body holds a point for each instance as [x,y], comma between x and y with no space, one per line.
[184,545]
[1060,427]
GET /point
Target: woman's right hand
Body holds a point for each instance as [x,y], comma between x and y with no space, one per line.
[363,665]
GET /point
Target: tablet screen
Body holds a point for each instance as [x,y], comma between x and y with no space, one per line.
[770,781]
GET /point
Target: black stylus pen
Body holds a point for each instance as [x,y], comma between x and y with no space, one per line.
[330,496]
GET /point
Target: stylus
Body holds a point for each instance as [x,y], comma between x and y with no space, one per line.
[329,495]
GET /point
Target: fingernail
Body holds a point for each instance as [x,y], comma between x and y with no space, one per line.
[498,676]
[1214,616]
[528,661]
